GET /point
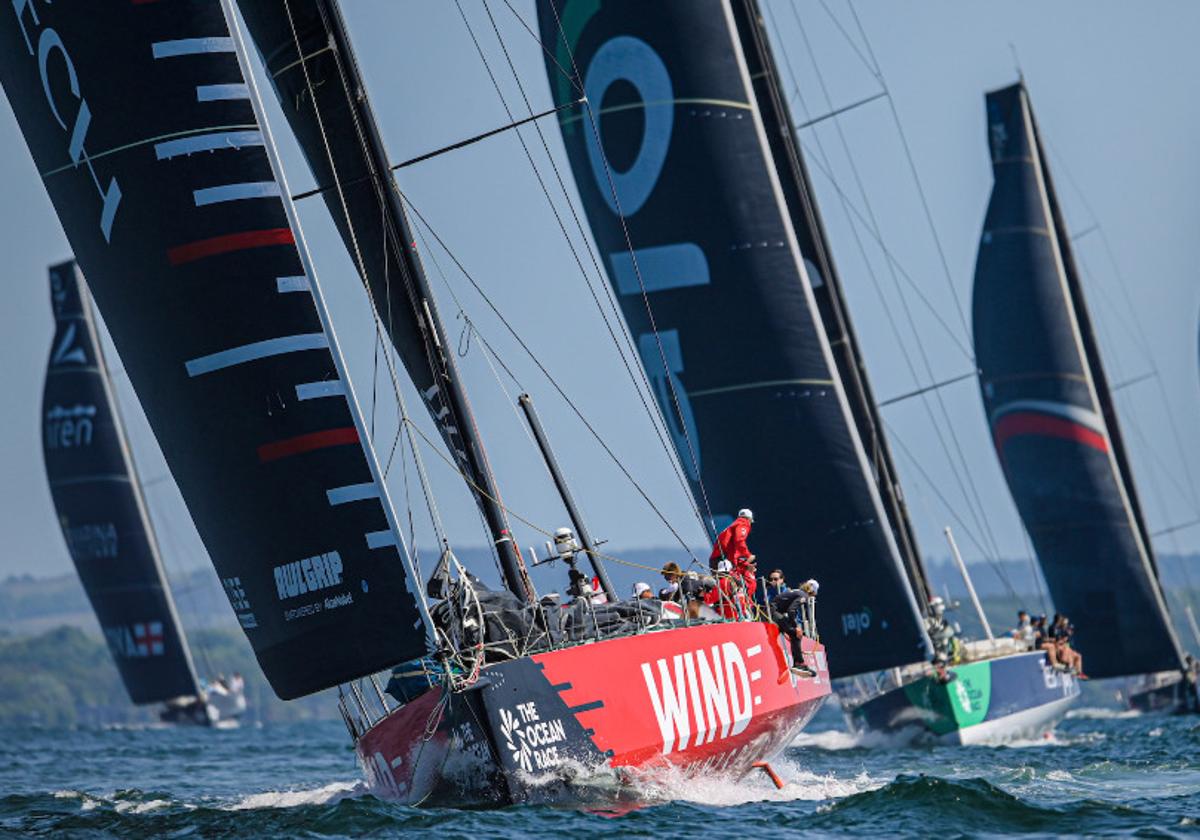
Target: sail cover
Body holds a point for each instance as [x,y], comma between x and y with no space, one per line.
[100,506]
[1051,414]
[139,123]
[735,351]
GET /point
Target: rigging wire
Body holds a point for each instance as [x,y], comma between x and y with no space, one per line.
[656,421]
[972,498]
[996,567]
[1138,328]
[912,166]
[616,203]
[543,370]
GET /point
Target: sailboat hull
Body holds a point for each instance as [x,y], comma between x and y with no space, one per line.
[1162,692]
[990,701]
[590,722]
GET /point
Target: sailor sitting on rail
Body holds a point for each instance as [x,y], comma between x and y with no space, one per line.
[1023,632]
[786,610]
[944,635]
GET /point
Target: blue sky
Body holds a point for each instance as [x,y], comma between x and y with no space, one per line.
[1113,89]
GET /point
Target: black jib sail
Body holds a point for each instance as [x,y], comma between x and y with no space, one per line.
[314,73]
[139,122]
[100,506]
[1051,413]
[713,285]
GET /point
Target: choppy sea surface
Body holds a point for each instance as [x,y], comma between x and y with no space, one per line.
[1103,773]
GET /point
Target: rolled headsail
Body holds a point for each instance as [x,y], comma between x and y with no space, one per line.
[100,507]
[140,125]
[1051,413]
[717,297]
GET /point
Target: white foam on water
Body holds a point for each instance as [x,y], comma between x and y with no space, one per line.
[840,739]
[1156,732]
[724,791]
[1101,713]
[324,795]
[140,807]
[1060,776]
[673,784]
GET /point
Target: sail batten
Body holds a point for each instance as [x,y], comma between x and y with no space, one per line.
[751,391]
[220,359]
[1053,423]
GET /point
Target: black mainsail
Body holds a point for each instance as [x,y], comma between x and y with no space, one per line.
[316,78]
[100,506]
[728,288]
[140,124]
[1052,416]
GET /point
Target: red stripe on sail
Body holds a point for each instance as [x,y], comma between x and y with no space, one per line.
[307,443]
[230,242]
[1044,425]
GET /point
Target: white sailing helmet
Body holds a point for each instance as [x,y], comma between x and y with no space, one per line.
[746,513]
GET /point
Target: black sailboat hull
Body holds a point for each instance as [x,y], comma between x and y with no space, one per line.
[588,723]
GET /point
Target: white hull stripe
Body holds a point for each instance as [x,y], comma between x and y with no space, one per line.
[291,284]
[257,350]
[381,539]
[317,390]
[191,46]
[1074,413]
[235,192]
[218,93]
[353,493]
[207,143]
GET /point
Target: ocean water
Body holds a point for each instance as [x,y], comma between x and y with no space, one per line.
[1103,773]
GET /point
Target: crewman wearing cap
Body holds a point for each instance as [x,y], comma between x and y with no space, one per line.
[731,543]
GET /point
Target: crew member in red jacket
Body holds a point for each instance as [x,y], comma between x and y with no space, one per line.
[731,543]
[735,567]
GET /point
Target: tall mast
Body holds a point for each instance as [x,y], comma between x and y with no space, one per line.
[308,53]
[814,243]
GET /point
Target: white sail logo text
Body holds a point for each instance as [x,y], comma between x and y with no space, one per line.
[308,575]
[49,45]
[700,696]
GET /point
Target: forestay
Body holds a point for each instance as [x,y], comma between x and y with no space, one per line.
[717,296]
[100,506]
[1051,413]
[139,122]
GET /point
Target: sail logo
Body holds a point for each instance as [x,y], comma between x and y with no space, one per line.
[531,741]
[50,49]
[92,541]
[240,603]
[66,351]
[856,622]
[308,575]
[69,428]
[700,696]
[647,270]
[136,641]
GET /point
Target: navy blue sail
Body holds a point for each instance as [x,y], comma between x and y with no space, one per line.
[308,55]
[1051,413]
[714,287]
[100,506]
[139,122]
